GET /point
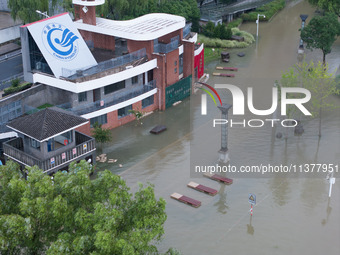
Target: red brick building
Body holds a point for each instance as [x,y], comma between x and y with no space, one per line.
[100,69]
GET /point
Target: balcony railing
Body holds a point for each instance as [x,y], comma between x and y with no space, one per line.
[116,98]
[14,149]
[103,66]
[186,30]
[166,48]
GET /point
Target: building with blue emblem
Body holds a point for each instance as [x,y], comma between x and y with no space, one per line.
[99,69]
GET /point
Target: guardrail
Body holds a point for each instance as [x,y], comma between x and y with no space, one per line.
[14,149]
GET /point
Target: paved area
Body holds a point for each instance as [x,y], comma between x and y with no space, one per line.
[10,47]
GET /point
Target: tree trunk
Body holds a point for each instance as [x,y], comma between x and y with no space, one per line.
[320,122]
[324,58]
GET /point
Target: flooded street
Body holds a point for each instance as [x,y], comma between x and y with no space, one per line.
[293,214]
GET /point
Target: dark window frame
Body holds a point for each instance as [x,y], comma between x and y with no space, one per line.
[82,97]
[123,112]
[148,101]
[114,87]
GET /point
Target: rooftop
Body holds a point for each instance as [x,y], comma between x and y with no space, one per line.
[46,123]
[144,28]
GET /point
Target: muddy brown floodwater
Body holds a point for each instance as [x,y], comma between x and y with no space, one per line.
[293,215]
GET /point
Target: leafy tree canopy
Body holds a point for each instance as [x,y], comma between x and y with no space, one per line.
[321,33]
[26,9]
[327,5]
[102,135]
[320,83]
[72,214]
[127,9]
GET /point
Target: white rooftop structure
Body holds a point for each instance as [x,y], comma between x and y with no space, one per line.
[144,28]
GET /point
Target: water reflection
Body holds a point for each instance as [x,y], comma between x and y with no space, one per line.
[328,212]
[221,204]
[250,228]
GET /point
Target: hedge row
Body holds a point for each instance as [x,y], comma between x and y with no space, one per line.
[218,43]
[268,10]
[16,89]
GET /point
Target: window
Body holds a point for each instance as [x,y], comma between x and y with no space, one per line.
[175,62]
[147,101]
[175,70]
[102,119]
[114,87]
[34,143]
[181,64]
[82,97]
[50,145]
[122,112]
[135,79]
[60,141]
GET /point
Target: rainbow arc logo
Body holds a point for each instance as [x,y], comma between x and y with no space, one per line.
[204,97]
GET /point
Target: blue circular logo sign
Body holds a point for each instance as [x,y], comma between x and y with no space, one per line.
[60,42]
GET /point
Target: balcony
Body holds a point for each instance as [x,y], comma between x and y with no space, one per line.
[166,48]
[14,149]
[114,65]
[115,98]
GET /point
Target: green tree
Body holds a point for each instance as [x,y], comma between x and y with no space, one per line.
[102,135]
[26,9]
[217,31]
[138,115]
[73,214]
[321,33]
[327,5]
[317,79]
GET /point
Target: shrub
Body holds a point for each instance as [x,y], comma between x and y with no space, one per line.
[268,10]
[15,82]
[18,88]
[234,23]
[337,80]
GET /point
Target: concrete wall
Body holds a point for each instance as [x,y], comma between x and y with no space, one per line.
[9,34]
[26,63]
[4,5]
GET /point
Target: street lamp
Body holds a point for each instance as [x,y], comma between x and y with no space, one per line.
[42,13]
[303,21]
[257,22]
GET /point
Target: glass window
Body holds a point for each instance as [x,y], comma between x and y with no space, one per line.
[34,143]
[175,62]
[175,70]
[102,119]
[122,112]
[147,101]
[50,145]
[181,64]
[114,87]
[135,79]
[82,97]
[60,141]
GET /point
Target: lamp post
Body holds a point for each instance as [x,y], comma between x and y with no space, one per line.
[223,152]
[303,21]
[257,23]
[42,13]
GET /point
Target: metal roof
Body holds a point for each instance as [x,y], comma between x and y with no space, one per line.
[148,27]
